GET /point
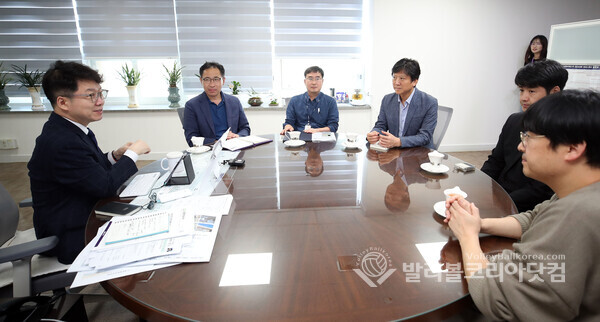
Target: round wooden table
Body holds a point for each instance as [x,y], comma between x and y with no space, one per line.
[323,213]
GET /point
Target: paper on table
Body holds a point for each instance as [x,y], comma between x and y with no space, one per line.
[96,276]
[144,225]
[323,137]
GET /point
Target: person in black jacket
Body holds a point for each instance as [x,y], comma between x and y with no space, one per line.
[504,164]
[68,171]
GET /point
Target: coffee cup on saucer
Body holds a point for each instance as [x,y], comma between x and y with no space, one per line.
[197,140]
[351,137]
[293,135]
[435,158]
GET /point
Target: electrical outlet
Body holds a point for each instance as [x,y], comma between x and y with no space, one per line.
[8,144]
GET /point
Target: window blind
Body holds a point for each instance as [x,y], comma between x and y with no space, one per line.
[317,28]
[236,34]
[127,28]
[36,33]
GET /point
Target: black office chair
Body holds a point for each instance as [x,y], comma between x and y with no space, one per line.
[22,271]
[443,120]
[180,111]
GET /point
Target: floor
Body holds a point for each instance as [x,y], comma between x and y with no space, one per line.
[13,176]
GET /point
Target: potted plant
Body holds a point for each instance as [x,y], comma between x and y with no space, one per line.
[131,77]
[235,87]
[4,79]
[254,99]
[32,81]
[273,102]
[173,76]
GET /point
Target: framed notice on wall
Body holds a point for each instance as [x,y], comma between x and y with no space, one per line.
[576,46]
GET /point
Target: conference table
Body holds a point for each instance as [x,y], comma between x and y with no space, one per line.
[340,234]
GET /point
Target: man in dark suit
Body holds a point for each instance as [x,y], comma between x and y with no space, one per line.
[504,165]
[407,117]
[68,171]
[211,113]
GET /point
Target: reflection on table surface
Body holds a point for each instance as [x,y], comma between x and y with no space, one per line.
[301,211]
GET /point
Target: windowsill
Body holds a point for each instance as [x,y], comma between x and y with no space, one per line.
[26,108]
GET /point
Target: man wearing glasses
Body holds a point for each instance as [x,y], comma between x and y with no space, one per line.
[407,117]
[68,171]
[312,111]
[211,113]
[553,273]
[535,81]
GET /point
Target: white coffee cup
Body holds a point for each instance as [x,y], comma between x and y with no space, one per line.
[435,158]
[172,158]
[351,137]
[197,140]
[294,135]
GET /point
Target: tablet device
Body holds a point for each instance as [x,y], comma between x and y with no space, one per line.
[115,208]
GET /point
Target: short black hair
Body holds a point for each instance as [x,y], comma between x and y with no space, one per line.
[547,73]
[568,117]
[409,66]
[62,77]
[212,64]
[314,69]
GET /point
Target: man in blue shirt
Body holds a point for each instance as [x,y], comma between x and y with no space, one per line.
[312,111]
[211,113]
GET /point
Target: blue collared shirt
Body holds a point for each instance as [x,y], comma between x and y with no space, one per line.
[219,116]
[404,111]
[320,112]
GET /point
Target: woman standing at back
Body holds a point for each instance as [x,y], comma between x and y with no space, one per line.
[537,50]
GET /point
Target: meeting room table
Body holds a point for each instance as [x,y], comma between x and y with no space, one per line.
[325,231]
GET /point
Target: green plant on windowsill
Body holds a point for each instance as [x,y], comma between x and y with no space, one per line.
[273,102]
[235,87]
[28,79]
[4,77]
[130,76]
[173,76]
[254,99]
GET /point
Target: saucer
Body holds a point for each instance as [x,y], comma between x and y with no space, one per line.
[294,143]
[351,145]
[198,149]
[433,169]
[440,208]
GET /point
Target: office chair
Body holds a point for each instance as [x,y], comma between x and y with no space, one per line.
[180,112]
[22,271]
[443,120]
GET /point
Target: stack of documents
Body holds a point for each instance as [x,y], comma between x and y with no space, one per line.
[176,232]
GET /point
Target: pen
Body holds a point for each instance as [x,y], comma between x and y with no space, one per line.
[103,233]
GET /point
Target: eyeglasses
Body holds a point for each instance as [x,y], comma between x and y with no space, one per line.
[525,137]
[95,95]
[211,80]
[314,79]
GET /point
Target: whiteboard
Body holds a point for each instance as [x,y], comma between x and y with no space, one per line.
[575,43]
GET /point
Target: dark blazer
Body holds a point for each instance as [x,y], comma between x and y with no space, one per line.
[504,165]
[420,119]
[197,119]
[68,175]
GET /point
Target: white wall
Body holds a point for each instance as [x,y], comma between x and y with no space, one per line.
[469,52]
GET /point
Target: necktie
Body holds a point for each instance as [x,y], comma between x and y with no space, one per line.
[93,138]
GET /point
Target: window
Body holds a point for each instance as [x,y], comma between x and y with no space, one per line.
[263,44]
[36,33]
